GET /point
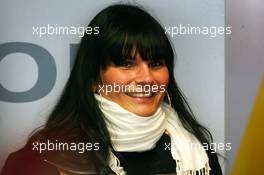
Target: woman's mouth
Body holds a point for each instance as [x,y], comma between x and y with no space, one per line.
[140,94]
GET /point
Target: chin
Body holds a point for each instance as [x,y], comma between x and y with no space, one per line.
[145,111]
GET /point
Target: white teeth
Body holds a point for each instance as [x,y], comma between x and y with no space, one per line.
[139,94]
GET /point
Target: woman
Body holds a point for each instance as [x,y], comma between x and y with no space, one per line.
[121,98]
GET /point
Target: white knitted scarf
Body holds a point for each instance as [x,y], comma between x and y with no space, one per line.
[133,133]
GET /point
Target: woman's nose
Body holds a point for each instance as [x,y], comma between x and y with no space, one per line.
[144,74]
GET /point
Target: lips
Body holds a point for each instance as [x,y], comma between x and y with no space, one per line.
[140,94]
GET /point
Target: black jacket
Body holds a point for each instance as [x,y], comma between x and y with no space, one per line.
[28,162]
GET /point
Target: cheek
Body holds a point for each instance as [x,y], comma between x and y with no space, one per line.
[112,75]
[162,76]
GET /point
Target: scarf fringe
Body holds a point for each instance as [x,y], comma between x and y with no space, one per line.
[203,171]
[114,164]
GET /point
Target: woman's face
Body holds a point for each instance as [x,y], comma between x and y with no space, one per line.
[136,85]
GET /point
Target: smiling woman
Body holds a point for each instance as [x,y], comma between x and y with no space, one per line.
[137,73]
[132,127]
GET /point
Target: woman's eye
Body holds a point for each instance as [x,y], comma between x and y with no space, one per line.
[126,64]
[156,64]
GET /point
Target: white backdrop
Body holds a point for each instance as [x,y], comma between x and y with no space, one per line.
[199,67]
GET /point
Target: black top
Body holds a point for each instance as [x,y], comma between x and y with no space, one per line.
[152,162]
[156,161]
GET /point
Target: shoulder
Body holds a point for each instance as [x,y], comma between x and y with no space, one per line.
[27,162]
